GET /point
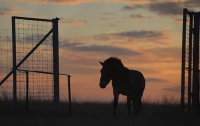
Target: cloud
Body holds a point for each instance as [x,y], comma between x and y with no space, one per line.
[139,16]
[166,8]
[66,1]
[53,1]
[140,34]
[72,22]
[7,11]
[177,20]
[176,89]
[105,49]
[156,80]
[170,7]
[133,37]
[167,53]
[134,7]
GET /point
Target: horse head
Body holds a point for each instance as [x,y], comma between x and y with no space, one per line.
[110,68]
[106,75]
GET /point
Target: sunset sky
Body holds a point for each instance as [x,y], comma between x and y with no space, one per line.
[145,34]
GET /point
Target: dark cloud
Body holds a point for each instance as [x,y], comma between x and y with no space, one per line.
[106,49]
[140,34]
[147,36]
[128,8]
[139,16]
[176,89]
[134,7]
[156,80]
[166,8]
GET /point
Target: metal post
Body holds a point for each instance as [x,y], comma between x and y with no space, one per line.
[69,94]
[27,81]
[190,60]
[14,64]
[56,65]
[183,60]
[195,89]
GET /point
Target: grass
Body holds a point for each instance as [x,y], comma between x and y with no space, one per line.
[96,113]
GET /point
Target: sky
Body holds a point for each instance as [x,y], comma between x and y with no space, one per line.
[145,34]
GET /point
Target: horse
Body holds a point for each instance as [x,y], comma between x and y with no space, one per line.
[130,83]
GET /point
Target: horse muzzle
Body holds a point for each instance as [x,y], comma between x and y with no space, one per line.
[103,84]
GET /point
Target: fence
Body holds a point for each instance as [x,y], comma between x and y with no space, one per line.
[190,61]
[34,48]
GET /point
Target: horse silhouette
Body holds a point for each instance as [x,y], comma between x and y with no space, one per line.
[130,83]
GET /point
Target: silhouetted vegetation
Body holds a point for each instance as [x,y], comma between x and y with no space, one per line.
[164,113]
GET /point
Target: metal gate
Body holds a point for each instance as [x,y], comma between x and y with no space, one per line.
[34,42]
[190,61]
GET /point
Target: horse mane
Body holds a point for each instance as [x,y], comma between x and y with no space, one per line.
[113,60]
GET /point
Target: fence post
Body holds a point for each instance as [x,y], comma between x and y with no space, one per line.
[69,94]
[14,64]
[27,81]
[56,66]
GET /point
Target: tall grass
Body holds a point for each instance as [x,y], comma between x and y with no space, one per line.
[96,113]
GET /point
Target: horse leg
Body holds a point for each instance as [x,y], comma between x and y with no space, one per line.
[133,99]
[137,103]
[129,105]
[115,103]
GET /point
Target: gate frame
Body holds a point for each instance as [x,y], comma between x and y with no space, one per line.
[193,62]
[54,31]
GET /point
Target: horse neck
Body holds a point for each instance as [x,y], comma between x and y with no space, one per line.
[121,73]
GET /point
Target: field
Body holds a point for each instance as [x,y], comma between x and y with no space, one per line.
[86,113]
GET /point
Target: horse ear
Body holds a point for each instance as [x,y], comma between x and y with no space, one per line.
[101,63]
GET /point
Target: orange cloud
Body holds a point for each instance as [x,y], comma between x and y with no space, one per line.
[64,1]
[54,1]
[144,1]
[177,20]
[84,1]
[7,11]
[72,22]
